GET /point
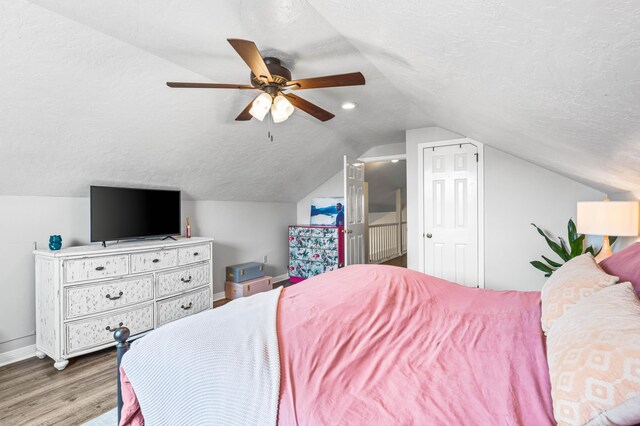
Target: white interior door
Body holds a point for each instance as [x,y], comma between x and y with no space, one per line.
[354,224]
[450,209]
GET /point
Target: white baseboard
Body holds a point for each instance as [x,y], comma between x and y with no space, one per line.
[280,278]
[17,355]
[219,296]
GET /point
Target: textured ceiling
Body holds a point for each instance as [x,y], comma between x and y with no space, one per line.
[556,82]
[384,178]
[84,100]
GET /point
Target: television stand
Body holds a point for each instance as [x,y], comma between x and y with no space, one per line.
[167,237]
[127,267]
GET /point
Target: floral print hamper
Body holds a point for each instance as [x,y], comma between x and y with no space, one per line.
[314,250]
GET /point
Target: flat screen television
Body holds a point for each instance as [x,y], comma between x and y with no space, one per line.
[130,213]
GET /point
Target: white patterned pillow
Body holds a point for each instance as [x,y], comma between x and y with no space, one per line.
[594,360]
[577,279]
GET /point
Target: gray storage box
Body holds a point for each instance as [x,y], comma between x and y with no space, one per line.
[245,271]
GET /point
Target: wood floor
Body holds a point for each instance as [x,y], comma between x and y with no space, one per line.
[32,392]
[400,261]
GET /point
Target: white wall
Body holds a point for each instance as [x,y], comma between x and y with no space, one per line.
[382,218]
[516,193]
[625,196]
[390,150]
[333,187]
[386,217]
[243,231]
[23,222]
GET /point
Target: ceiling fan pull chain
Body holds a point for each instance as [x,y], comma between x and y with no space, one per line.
[270,133]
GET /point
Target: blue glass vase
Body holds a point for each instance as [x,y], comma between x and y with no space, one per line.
[55,242]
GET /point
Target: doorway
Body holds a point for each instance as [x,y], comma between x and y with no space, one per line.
[387,212]
[451,211]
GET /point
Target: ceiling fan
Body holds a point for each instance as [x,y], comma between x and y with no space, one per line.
[268,75]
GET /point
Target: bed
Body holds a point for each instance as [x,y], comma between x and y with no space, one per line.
[372,344]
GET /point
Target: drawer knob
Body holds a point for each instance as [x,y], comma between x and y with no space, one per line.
[186,280]
[189,306]
[99,268]
[196,253]
[156,260]
[114,297]
[113,329]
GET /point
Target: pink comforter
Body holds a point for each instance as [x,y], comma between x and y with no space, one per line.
[385,345]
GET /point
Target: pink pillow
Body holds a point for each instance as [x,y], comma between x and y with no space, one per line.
[626,265]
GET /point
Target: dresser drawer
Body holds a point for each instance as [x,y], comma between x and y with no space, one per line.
[153,260]
[92,268]
[183,305]
[103,296]
[89,333]
[187,255]
[315,232]
[182,280]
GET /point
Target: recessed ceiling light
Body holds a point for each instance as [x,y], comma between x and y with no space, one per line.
[348,105]
[394,161]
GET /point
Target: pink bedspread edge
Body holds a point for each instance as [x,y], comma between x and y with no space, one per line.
[131,414]
[379,344]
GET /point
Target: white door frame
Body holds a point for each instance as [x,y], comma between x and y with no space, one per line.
[421,230]
[391,157]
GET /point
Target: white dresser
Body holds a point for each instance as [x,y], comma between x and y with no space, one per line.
[84,293]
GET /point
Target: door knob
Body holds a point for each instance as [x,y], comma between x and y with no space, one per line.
[428,235]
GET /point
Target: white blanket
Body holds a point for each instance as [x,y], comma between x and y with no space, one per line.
[220,366]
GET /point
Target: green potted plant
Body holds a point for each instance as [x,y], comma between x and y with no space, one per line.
[566,250]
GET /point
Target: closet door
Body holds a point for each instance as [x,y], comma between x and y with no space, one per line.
[450,213]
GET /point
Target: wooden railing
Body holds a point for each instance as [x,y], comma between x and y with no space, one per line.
[387,241]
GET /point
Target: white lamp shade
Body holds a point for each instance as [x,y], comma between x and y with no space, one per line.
[281,109]
[615,218]
[278,116]
[260,106]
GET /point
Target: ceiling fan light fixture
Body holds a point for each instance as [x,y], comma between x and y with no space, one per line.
[283,105]
[278,116]
[281,109]
[269,75]
[260,106]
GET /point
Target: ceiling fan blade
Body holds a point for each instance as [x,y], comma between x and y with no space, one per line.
[252,57]
[208,85]
[351,79]
[309,108]
[244,115]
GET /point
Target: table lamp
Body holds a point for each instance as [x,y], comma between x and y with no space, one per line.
[615,218]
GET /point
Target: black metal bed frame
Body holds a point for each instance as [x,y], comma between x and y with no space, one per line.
[120,335]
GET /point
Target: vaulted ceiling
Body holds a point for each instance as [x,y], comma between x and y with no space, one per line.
[83,99]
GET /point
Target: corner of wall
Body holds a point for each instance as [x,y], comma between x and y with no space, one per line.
[333,187]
